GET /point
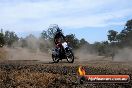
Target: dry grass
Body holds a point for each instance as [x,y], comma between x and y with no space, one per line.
[33,79]
[33,74]
[26,79]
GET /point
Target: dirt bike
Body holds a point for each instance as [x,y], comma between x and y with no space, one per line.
[66,54]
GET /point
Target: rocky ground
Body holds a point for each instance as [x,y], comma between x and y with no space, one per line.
[36,74]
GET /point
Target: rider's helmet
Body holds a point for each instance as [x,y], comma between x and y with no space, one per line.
[59,30]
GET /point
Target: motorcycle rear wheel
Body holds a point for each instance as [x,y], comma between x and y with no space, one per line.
[55,59]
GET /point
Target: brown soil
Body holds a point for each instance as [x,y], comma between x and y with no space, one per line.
[36,74]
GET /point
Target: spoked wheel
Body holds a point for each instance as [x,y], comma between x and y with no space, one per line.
[55,59]
[70,57]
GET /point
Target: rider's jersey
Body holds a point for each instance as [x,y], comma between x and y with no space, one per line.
[58,37]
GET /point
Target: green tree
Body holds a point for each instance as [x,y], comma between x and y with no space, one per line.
[2,41]
[112,35]
[98,48]
[127,33]
[47,37]
[102,48]
[83,42]
[129,25]
[44,35]
[73,41]
[120,40]
[124,38]
[10,38]
[49,34]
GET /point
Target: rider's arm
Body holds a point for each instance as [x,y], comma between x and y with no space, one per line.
[55,39]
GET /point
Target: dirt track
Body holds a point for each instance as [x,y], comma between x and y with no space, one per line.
[37,74]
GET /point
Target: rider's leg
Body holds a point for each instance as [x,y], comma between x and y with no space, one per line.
[62,50]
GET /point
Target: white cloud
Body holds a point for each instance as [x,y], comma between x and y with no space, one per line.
[29,15]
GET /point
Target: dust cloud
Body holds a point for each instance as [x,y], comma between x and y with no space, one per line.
[124,54]
[32,51]
[86,54]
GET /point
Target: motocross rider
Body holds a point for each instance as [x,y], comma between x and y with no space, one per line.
[58,38]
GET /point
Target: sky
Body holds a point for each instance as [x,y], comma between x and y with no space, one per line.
[89,19]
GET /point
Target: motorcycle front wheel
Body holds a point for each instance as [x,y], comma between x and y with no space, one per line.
[70,57]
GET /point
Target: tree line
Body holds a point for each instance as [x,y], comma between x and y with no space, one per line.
[44,42]
[7,38]
[116,40]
